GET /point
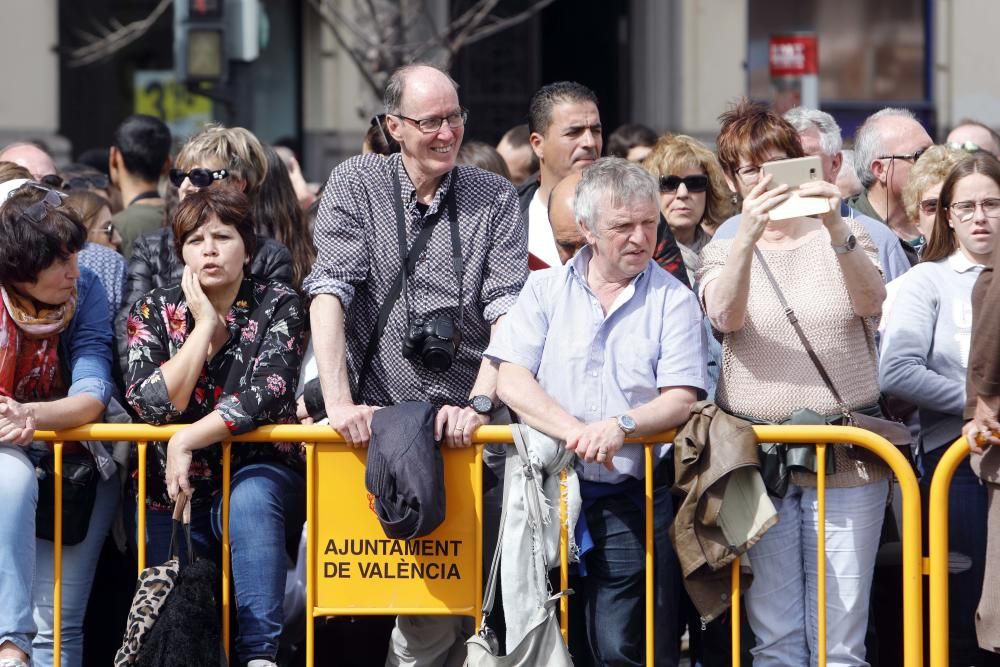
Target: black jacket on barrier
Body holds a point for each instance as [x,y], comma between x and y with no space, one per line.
[155,264]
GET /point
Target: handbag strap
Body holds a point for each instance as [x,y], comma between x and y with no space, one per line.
[182,518]
[790,314]
[534,514]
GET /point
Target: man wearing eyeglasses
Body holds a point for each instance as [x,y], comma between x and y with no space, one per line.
[885,147]
[375,209]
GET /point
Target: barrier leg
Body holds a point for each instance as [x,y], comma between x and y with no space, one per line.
[563,558]
[140,508]
[57,450]
[310,555]
[938,551]
[734,620]
[650,564]
[227,481]
[821,554]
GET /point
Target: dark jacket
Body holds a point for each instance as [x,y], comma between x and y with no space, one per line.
[725,508]
[155,264]
[405,471]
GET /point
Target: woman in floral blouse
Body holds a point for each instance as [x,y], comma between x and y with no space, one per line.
[221,352]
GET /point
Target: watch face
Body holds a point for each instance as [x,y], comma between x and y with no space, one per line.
[627,423]
[482,404]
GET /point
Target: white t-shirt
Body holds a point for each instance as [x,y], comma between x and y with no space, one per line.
[541,243]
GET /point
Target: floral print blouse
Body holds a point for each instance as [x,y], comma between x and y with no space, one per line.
[250,382]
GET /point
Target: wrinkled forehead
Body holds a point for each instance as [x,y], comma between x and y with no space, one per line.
[426,92]
[901,136]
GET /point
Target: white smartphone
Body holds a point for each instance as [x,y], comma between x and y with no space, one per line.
[795,172]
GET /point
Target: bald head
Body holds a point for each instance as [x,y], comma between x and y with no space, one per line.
[565,229]
[976,133]
[31,157]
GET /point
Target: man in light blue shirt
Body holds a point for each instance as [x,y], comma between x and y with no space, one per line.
[820,136]
[607,346]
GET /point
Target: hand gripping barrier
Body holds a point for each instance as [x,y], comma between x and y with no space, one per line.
[431,576]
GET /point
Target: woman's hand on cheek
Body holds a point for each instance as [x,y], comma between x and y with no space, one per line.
[198,303]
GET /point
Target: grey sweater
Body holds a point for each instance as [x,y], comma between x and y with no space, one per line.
[925,348]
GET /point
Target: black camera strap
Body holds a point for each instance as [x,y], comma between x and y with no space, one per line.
[408,261]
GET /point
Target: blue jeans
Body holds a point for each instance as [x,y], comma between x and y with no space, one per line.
[966,536]
[781,603]
[614,588]
[26,565]
[266,511]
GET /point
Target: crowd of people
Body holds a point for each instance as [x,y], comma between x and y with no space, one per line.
[591,298]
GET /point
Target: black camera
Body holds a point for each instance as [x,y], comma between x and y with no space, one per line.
[433,343]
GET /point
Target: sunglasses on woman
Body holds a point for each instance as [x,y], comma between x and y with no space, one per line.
[696,183]
[200,176]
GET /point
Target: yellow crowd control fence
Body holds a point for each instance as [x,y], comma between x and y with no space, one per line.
[353,569]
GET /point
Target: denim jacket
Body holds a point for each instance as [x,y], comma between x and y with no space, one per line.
[86,344]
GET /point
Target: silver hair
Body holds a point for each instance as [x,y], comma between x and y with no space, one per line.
[626,183]
[393,96]
[868,142]
[804,118]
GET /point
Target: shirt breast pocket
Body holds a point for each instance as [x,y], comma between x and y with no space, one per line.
[635,368]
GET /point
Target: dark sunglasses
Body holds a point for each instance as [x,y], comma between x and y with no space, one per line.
[200,176]
[696,183]
[37,211]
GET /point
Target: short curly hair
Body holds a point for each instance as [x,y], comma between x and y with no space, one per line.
[930,169]
[675,152]
[31,244]
[237,149]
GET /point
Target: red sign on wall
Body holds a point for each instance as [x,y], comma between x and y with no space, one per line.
[793,55]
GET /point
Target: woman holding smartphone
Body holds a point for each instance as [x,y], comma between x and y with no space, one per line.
[826,269]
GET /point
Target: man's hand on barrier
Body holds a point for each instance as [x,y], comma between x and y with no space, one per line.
[354,422]
[597,442]
[455,426]
[178,464]
[985,426]
[17,422]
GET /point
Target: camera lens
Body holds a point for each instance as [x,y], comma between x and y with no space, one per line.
[438,355]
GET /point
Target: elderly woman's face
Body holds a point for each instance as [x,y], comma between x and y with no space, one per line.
[927,209]
[54,284]
[216,254]
[683,207]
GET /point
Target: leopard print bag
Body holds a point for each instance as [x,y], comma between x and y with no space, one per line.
[152,588]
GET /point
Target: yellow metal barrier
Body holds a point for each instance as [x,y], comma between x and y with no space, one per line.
[937,542]
[317,437]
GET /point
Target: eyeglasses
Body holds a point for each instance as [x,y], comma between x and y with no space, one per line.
[965,210]
[432,125]
[99,181]
[910,157]
[37,211]
[109,231]
[967,146]
[749,174]
[928,206]
[694,183]
[200,176]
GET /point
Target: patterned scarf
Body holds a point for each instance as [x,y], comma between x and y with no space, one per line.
[29,346]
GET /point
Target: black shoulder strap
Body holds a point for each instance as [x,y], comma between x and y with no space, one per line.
[790,314]
[408,261]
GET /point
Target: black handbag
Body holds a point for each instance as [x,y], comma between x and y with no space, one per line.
[79,486]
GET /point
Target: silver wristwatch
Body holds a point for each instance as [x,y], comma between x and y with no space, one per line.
[626,424]
[850,244]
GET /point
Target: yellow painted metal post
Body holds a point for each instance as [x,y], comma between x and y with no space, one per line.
[938,550]
[227,481]
[821,553]
[140,508]
[477,490]
[563,558]
[57,451]
[735,611]
[650,545]
[310,553]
